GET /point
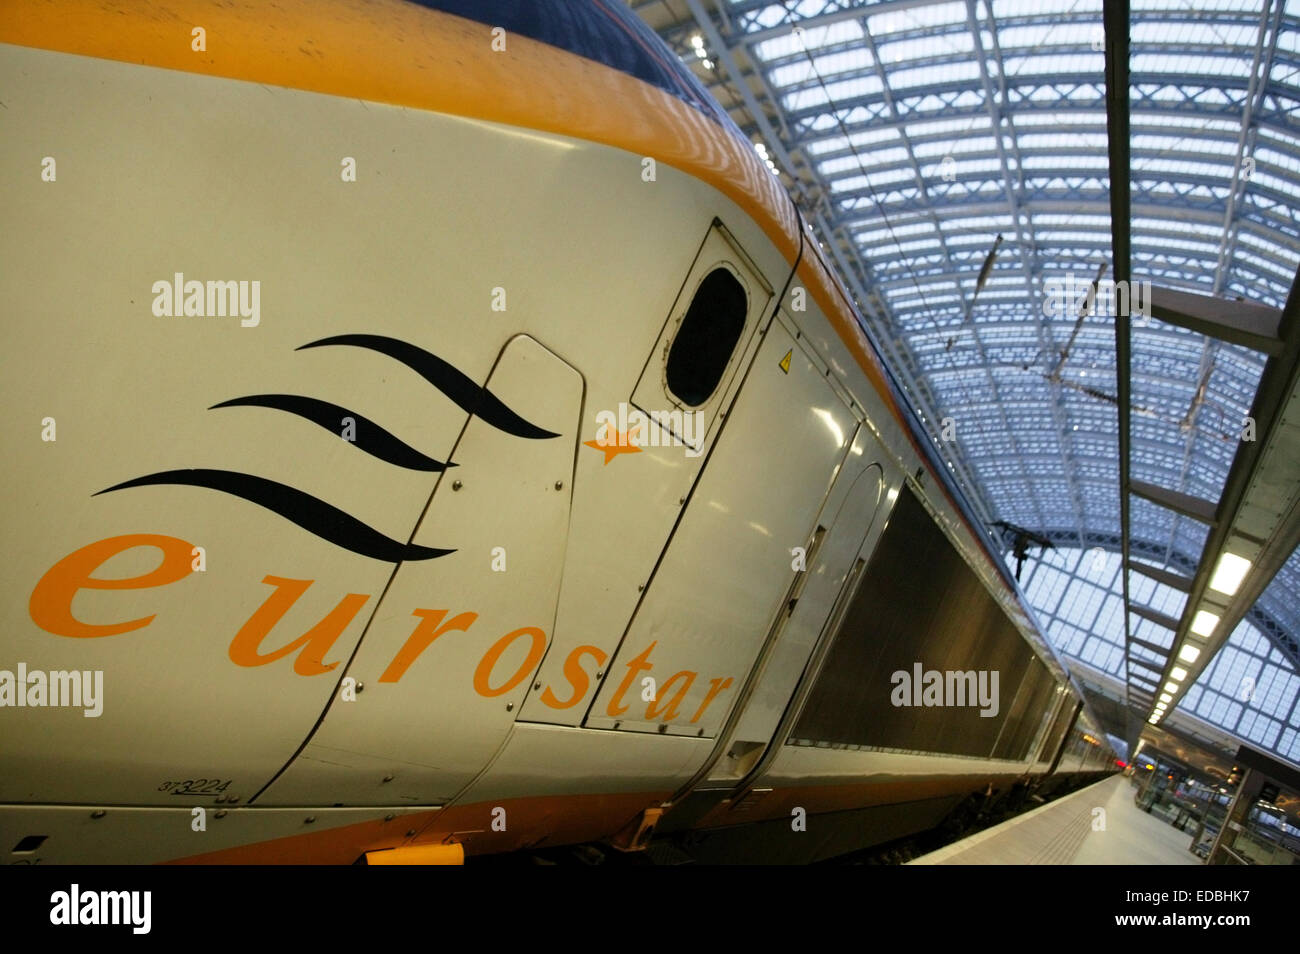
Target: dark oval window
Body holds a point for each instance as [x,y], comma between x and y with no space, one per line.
[707,337]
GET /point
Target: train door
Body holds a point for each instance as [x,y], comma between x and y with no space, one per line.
[803,623]
[727,569]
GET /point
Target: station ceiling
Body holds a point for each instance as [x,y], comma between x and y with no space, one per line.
[930,142]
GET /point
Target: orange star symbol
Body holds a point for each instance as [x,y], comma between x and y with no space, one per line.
[622,444]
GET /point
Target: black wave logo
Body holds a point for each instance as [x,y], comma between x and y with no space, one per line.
[369,436]
[471,398]
[315,515]
[311,513]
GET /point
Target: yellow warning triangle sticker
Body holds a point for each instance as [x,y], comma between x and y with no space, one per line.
[785,362]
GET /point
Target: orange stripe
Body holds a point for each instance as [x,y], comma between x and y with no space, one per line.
[529,822]
[389,51]
[330,846]
[406,55]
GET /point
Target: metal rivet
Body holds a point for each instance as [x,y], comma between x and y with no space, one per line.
[599,674]
[456,485]
[220,799]
[663,728]
[680,501]
[410,833]
[700,733]
[389,817]
[617,724]
[98,813]
[537,685]
[510,707]
[232,799]
[309,820]
[388,778]
[640,587]
[361,687]
[559,485]
[221,814]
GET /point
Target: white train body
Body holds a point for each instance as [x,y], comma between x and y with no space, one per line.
[619,625]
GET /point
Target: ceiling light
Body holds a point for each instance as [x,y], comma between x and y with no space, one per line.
[1178,674]
[1171,687]
[697,41]
[1229,573]
[1161,706]
[1166,696]
[1188,653]
[1153,721]
[1204,622]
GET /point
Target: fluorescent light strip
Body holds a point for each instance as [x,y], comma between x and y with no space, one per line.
[1204,622]
[1228,573]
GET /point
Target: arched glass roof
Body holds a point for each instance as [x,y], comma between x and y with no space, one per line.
[920,137]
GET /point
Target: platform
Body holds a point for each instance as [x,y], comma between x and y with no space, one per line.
[1061,833]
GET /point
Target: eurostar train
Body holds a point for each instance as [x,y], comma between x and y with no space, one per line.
[433,432]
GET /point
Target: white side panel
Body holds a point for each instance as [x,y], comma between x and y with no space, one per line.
[562,760]
[449,656]
[697,632]
[609,535]
[132,394]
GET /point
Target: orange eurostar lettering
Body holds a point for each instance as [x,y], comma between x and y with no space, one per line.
[638,664]
[50,606]
[715,687]
[490,658]
[314,643]
[576,675]
[669,710]
[425,633]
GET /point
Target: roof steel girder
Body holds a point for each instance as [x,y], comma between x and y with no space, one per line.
[1240,322]
[1278,388]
